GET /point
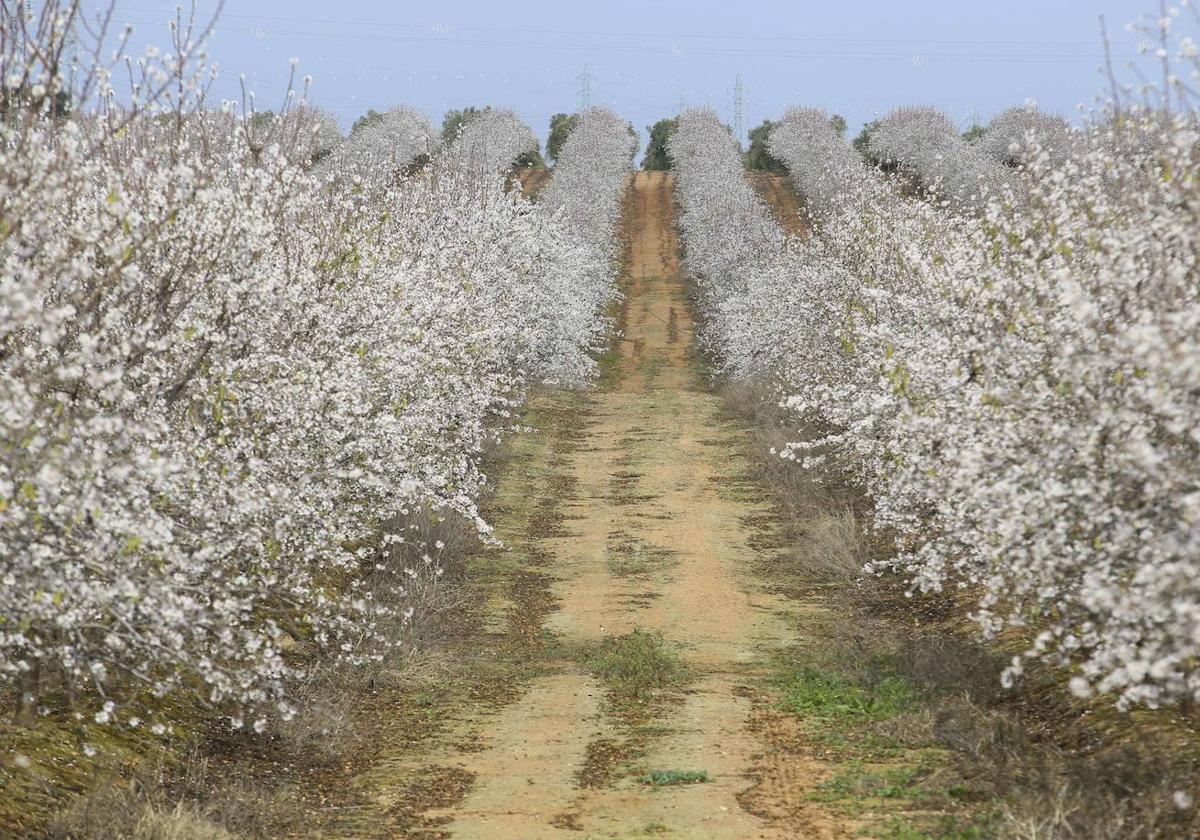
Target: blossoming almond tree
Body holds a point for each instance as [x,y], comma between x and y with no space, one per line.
[491,141]
[729,235]
[398,139]
[584,202]
[925,144]
[1014,132]
[228,380]
[1020,429]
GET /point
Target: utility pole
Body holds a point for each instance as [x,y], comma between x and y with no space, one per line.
[738,103]
[585,88]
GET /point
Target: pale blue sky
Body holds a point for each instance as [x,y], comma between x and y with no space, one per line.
[645,58]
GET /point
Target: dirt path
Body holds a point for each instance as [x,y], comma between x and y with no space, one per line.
[654,543]
[641,711]
[777,191]
[532,179]
[622,664]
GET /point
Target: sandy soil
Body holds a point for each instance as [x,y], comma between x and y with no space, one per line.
[777,191]
[532,179]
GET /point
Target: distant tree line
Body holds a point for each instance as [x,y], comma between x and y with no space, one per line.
[757,157]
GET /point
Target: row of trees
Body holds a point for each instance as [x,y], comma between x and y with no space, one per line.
[757,157]
[993,139]
[1003,358]
[455,120]
[241,360]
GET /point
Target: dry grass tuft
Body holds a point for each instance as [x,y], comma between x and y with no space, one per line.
[114,813]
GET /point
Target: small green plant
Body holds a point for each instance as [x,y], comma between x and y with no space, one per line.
[818,693]
[947,828]
[894,783]
[666,778]
[636,666]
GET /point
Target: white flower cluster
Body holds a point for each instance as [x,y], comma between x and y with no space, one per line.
[228,380]
[399,137]
[827,174]
[731,239]
[1017,388]
[924,143]
[1014,133]
[490,141]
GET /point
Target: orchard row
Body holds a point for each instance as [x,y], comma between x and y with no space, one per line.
[1000,343]
[242,360]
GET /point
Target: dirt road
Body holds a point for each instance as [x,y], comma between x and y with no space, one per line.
[630,604]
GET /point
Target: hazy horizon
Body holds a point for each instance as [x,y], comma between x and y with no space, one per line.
[646,60]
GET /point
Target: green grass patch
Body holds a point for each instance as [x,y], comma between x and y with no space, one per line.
[608,361]
[667,778]
[651,367]
[633,558]
[946,828]
[814,692]
[608,368]
[891,783]
[638,666]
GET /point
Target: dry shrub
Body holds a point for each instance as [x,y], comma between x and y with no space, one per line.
[913,730]
[821,513]
[178,824]
[832,545]
[229,795]
[322,731]
[1068,810]
[948,664]
[117,813]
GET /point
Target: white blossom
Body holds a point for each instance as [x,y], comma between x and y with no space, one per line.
[226,374]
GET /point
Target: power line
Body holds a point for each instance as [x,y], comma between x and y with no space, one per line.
[725,36]
[826,54]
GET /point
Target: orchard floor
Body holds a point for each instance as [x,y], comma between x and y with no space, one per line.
[614,679]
